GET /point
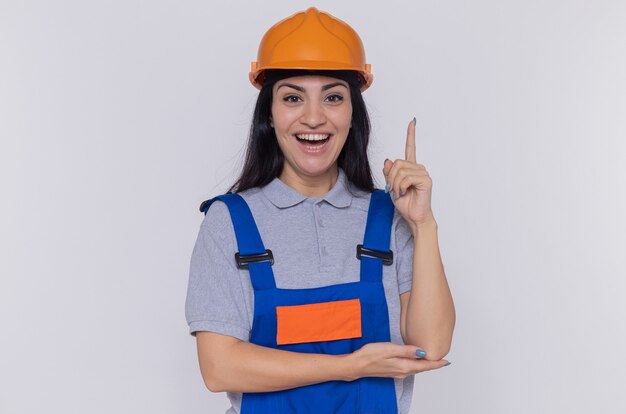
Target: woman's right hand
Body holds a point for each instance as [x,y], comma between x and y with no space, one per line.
[387,359]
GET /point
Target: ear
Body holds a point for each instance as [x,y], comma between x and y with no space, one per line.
[271,122]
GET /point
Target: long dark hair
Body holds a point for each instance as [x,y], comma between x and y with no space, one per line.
[264,160]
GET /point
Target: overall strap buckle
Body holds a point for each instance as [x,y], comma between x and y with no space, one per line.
[386,256]
[244,260]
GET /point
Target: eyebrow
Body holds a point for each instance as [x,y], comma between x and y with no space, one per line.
[301,89]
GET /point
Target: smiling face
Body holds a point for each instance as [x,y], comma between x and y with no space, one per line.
[311,116]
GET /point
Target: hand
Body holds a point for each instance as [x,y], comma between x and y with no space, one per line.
[387,359]
[409,184]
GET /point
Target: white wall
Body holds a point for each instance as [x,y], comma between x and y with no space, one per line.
[117,118]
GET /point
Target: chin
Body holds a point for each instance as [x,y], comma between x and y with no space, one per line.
[314,169]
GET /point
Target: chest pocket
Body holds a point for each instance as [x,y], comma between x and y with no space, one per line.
[315,322]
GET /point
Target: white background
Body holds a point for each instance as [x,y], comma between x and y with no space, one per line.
[117,118]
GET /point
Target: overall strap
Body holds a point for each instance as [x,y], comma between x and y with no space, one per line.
[252,254]
[374,252]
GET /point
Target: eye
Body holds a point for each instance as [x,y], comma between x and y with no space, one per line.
[335,98]
[291,98]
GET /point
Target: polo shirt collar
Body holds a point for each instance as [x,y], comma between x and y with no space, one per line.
[283,196]
[340,195]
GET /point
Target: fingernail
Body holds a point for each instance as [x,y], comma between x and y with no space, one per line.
[420,354]
[401,193]
[393,195]
[414,121]
[447,363]
[387,187]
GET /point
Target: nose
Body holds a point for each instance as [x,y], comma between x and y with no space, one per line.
[313,115]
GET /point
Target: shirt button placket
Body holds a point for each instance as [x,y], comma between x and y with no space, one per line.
[320,223]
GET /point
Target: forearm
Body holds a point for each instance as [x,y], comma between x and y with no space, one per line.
[252,368]
[430,314]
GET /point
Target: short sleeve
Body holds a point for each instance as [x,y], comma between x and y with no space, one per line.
[404,247]
[215,298]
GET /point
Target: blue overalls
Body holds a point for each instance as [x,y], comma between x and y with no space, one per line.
[335,319]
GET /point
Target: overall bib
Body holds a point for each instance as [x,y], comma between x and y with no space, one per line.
[335,319]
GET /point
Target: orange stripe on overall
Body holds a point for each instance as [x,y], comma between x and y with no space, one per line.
[325,321]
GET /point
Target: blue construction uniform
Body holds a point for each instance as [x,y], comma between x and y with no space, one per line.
[362,305]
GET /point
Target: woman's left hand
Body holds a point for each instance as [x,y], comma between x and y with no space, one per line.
[409,184]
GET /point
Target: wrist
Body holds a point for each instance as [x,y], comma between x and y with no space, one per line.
[349,368]
[426,225]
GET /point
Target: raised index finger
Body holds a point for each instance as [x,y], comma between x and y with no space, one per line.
[410,142]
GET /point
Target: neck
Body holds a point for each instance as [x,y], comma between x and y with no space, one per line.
[310,186]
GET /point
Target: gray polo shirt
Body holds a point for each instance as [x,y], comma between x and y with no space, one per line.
[314,244]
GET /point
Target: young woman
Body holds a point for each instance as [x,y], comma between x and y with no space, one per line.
[309,290]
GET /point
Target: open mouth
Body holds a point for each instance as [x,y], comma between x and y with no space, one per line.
[313,140]
[313,143]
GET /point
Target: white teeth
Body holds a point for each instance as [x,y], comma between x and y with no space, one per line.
[313,137]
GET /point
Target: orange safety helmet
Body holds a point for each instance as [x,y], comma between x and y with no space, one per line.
[311,40]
